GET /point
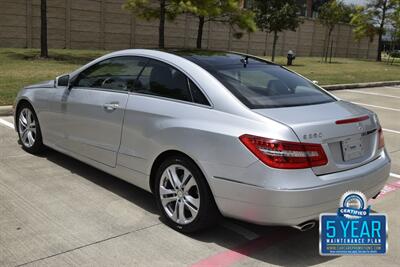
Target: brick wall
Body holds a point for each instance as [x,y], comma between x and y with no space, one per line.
[103,24]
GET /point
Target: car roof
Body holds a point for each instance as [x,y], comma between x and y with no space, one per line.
[215,58]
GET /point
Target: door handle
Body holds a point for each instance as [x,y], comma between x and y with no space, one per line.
[111,106]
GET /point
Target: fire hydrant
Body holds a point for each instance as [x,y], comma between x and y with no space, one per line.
[290,57]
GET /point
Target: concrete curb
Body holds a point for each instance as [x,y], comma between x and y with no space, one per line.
[359,85]
[6,110]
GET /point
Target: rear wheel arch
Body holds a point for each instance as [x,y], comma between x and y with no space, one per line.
[207,210]
[159,160]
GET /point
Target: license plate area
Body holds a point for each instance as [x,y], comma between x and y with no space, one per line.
[352,147]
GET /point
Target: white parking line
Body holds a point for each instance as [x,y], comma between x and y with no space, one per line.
[6,123]
[368,105]
[395,175]
[249,235]
[371,93]
[391,131]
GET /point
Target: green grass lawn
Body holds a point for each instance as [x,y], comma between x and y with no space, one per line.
[344,70]
[20,67]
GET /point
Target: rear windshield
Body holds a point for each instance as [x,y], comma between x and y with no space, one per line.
[268,86]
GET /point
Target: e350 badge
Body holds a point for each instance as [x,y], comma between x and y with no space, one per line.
[353,230]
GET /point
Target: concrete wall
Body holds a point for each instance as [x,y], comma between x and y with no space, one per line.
[103,24]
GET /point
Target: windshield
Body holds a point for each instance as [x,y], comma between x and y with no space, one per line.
[268,86]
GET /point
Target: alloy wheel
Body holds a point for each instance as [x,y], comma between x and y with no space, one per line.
[27,127]
[179,194]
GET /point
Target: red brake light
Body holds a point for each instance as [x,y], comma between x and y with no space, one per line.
[284,154]
[352,120]
[381,139]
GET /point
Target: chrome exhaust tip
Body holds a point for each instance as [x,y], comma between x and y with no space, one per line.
[305,226]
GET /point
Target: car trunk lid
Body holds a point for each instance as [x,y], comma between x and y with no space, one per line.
[347,132]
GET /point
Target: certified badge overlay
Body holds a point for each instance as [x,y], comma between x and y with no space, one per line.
[353,230]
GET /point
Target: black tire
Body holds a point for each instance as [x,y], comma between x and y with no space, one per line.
[38,145]
[208,213]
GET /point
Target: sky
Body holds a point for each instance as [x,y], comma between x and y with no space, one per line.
[357,2]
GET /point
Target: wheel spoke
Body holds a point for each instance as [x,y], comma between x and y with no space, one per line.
[175,213]
[194,202]
[24,136]
[186,177]
[173,177]
[189,184]
[22,121]
[164,191]
[166,200]
[192,210]
[31,140]
[29,116]
[181,216]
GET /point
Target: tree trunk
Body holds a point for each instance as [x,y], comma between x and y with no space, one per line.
[379,55]
[381,29]
[327,45]
[161,27]
[331,52]
[266,42]
[274,45]
[43,29]
[200,32]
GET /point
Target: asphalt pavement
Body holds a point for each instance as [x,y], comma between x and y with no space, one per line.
[57,211]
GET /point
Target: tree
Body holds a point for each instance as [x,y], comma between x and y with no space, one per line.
[226,11]
[275,16]
[330,14]
[43,29]
[151,10]
[395,24]
[374,17]
[364,25]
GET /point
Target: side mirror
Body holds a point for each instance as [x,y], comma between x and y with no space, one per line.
[62,81]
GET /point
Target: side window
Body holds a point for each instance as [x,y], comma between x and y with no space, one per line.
[161,79]
[118,73]
[198,96]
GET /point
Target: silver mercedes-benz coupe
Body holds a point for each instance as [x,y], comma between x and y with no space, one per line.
[209,133]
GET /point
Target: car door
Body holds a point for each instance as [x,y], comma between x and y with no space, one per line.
[162,95]
[94,108]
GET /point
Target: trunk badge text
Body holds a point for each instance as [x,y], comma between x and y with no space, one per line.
[312,135]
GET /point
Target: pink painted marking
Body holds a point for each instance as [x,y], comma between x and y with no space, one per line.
[388,188]
[229,257]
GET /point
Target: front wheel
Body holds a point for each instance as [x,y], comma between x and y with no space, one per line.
[183,195]
[28,128]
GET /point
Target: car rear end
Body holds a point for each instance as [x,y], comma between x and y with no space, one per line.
[339,146]
[294,182]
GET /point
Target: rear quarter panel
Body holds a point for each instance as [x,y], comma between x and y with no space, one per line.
[153,125]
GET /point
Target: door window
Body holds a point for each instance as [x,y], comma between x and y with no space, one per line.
[118,73]
[161,79]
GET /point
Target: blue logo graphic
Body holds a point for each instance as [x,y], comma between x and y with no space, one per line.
[353,230]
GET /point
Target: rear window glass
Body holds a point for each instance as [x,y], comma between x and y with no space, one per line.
[269,86]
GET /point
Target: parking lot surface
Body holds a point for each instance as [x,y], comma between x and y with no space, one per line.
[57,211]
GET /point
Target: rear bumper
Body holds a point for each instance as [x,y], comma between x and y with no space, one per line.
[268,206]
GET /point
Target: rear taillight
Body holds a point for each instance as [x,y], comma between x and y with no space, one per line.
[381,140]
[284,154]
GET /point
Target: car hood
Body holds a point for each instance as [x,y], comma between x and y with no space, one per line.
[45,84]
